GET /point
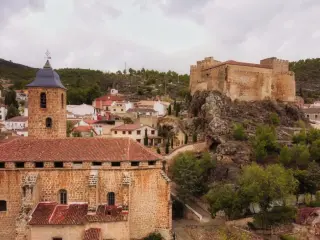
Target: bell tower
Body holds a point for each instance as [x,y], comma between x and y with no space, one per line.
[47,104]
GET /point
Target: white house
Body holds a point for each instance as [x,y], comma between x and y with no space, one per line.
[3,112]
[16,123]
[90,123]
[159,106]
[137,132]
[80,110]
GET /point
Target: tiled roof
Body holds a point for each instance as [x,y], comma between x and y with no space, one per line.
[18,119]
[110,97]
[127,127]
[52,213]
[142,110]
[92,234]
[82,129]
[75,149]
[232,62]
[90,121]
[311,110]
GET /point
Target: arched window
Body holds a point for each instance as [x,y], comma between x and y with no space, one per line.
[3,205]
[111,198]
[43,100]
[48,122]
[63,196]
[62,100]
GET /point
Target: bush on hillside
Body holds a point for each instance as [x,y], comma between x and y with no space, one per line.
[238,132]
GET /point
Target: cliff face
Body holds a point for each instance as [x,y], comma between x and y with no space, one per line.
[213,115]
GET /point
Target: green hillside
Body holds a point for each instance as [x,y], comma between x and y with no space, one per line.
[84,84]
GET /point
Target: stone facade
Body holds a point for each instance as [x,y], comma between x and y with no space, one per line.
[145,190]
[55,109]
[271,79]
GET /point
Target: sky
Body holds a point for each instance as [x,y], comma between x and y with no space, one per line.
[156,34]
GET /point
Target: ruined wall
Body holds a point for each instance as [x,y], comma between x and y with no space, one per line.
[248,83]
[149,199]
[215,78]
[55,109]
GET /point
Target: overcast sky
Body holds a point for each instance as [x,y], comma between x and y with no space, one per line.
[159,34]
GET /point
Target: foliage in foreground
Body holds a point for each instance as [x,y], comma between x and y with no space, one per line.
[191,173]
[153,236]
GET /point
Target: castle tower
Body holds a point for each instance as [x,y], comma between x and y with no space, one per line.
[47,105]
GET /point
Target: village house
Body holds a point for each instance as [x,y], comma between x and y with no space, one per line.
[21,95]
[312,113]
[3,112]
[16,123]
[81,111]
[158,106]
[137,132]
[120,107]
[54,187]
[137,112]
[103,104]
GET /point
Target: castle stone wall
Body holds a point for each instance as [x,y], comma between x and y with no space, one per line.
[244,81]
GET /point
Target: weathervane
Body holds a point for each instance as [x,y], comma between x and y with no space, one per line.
[48,54]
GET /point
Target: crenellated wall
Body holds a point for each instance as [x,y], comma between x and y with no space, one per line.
[271,79]
[147,193]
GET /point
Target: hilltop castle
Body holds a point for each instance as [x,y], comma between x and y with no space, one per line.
[58,188]
[271,79]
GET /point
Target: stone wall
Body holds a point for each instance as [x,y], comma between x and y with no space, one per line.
[55,109]
[149,194]
[243,81]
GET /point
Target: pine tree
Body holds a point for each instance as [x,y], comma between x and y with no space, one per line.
[12,112]
[174,105]
[194,137]
[185,139]
[145,138]
[172,143]
[167,147]
[169,110]
[158,150]
[177,109]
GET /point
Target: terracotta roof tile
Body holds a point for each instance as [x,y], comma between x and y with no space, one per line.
[75,149]
[83,129]
[127,127]
[52,213]
[18,119]
[92,234]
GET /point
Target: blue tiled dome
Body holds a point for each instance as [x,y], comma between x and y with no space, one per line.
[47,78]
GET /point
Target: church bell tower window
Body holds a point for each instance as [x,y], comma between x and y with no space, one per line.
[43,100]
[62,100]
[48,122]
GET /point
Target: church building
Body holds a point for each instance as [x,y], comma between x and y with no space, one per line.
[58,188]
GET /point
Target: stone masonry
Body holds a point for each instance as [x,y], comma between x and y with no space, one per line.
[56,110]
[271,79]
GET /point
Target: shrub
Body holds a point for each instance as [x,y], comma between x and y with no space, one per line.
[285,156]
[158,150]
[277,216]
[315,150]
[238,132]
[153,236]
[313,135]
[287,237]
[194,137]
[300,137]
[274,119]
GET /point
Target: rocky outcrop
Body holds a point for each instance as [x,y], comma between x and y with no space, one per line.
[213,115]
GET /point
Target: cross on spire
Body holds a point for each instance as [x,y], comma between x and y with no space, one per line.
[48,54]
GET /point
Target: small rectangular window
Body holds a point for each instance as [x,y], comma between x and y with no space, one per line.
[139,140]
[150,163]
[152,132]
[115,132]
[134,164]
[129,132]
[138,132]
[3,205]
[57,238]
[19,164]
[2,165]
[96,163]
[58,164]
[39,165]
[115,164]
[123,132]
